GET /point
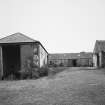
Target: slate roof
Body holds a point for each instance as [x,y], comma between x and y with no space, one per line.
[71,55]
[16,38]
[99,46]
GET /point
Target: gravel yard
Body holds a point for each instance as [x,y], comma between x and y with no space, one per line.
[79,87]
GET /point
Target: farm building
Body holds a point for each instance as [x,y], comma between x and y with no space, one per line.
[16,50]
[70,59]
[99,54]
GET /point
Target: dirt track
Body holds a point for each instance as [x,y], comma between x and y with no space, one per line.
[78,87]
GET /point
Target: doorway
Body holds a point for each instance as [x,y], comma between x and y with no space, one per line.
[98,63]
[74,62]
[11,61]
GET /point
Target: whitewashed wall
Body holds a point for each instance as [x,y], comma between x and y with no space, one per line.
[95,60]
[43,56]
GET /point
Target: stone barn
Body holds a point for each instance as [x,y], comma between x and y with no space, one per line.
[16,50]
[71,59]
[99,54]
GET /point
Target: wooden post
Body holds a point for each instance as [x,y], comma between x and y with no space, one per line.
[1,62]
[100,59]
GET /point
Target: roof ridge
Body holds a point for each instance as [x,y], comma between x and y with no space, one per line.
[25,36]
[99,46]
[18,34]
[70,53]
[100,40]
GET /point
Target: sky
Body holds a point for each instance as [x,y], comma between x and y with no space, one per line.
[62,26]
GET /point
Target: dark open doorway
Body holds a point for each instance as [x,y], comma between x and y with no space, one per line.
[11,61]
[74,61]
[98,63]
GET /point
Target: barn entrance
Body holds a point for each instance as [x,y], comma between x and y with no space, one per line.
[74,62]
[11,61]
[98,63]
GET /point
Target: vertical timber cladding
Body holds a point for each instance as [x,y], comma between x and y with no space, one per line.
[103,59]
[90,62]
[1,63]
[83,62]
[26,51]
[29,51]
[43,56]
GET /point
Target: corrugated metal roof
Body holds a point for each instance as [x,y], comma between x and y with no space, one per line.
[71,55]
[99,46]
[16,38]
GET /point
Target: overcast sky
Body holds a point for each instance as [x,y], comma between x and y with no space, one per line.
[62,26]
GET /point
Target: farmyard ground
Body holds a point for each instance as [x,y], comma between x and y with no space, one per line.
[74,86]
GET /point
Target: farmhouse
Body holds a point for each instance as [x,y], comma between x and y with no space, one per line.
[16,50]
[70,59]
[99,54]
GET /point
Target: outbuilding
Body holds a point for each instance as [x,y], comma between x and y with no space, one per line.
[18,49]
[71,59]
[99,54]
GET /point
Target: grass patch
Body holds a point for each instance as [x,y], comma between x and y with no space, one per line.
[55,70]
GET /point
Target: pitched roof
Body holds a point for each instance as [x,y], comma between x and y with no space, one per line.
[99,46]
[70,55]
[17,38]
